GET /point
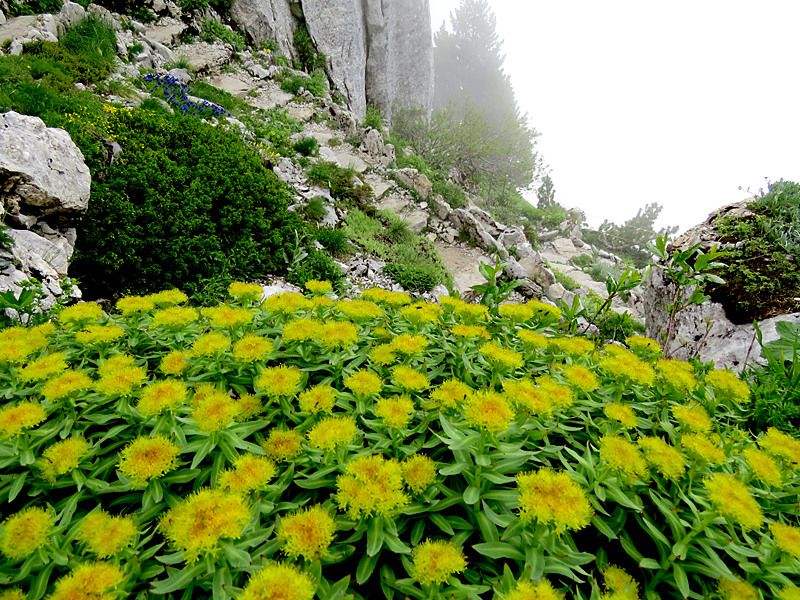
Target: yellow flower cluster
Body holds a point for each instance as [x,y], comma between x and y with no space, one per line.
[619,585]
[168,298]
[623,457]
[106,535]
[363,383]
[245,292]
[161,396]
[782,446]
[395,412]
[787,538]
[451,393]
[250,472]
[763,467]
[692,418]
[382,355]
[517,313]
[533,339]
[409,379]
[419,471]
[25,532]
[44,368]
[227,317]
[624,364]
[371,485]
[380,296]
[621,413]
[502,359]
[279,581]
[545,313]
[319,287]
[287,303]
[63,457]
[728,386]
[666,459]
[471,331]
[338,334]
[571,346]
[147,458]
[488,410]
[175,317]
[99,334]
[422,313]
[134,305]
[553,498]
[408,345]
[700,446]
[95,581]
[677,374]
[733,501]
[307,533]
[581,377]
[320,398]
[17,343]
[198,523]
[16,418]
[252,348]
[359,310]
[215,411]
[642,345]
[66,384]
[283,444]
[433,562]
[279,381]
[122,381]
[332,432]
[80,314]
[175,362]
[527,590]
[210,344]
[737,589]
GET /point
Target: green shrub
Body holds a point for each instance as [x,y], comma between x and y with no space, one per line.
[214,30]
[5,240]
[194,5]
[353,140]
[34,7]
[76,66]
[185,193]
[334,241]
[413,278]
[308,56]
[340,182]
[92,39]
[317,266]
[315,209]
[226,100]
[374,117]
[307,146]
[452,193]
[155,105]
[316,84]
[273,125]
[568,282]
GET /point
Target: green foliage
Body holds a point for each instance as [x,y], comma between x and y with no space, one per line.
[452,193]
[5,240]
[68,62]
[597,269]
[611,324]
[307,146]
[308,56]
[94,40]
[340,182]
[568,282]
[374,117]
[494,292]
[335,241]
[353,140]
[214,30]
[29,307]
[155,105]
[306,263]
[194,5]
[274,125]
[186,192]
[317,84]
[762,277]
[413,278]
[34,7]
[315,209]
[630,239]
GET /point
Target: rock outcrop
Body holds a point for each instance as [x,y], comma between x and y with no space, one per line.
[267,20]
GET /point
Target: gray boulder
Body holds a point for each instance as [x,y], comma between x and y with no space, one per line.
[71,14]
[266,20]
[42,172]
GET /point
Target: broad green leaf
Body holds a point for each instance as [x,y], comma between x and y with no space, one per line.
[499,550]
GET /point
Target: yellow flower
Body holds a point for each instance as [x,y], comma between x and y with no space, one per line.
[99,334]
[249,406]
[422,313]
[279,381]
[502,359]
[175,362]
[526,590]
[531,397]
[121,382]
[419,471]
[532,339]
[787,538]
[471,331]
[728,386]
[147,458]
[25,532]
[62,457]
[332,432]
[382,355]
[789,592]
[581,377]
[81,313]
[13,594]
[764,467]
[395,412]
[164,395]
[175,318]
[44,368]
[210,344]
[359,310]
[319,287]
[252,348]
[20,416]
[552,498]
[409,345]
[250,472]
[227,317]
[380,296]
[545,313]
[573,346]
[279,581]
[517,312]
[733,501]
[435,561]
[245,292]
[320,302]
[168,298]
[283,444]
[666,459]
[623,457]
[17,343]
[451,393]
[622,413]
[338,334]
[363,383]
[132,305]
[642,344]
[700,446]
[287,303]
[215,412]
[409,379]
[470,312]
[620,363]
[560,396]
[307,533]
[371,485]
[198,523]
[737,589]
[320,398]
[115,363]
[677,374]
[66,384]
[692,418]
[105,535]
[782,446]
[302,330]
[619,585]
[488,410]
[89,581]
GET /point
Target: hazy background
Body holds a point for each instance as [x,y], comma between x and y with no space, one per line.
[678,103]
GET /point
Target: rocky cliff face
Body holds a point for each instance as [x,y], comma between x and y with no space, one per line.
[378,51]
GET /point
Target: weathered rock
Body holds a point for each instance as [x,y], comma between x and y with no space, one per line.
[104,14]
[417,220]
[555,292]
[205,57]
[266,20]
[537,270]
[514,270]
[2,18]
[343,119]
[71,14]
[181,75]
[443,209]
[41,255]
[42,171]
[399,70]
[564,247]
[167,35]
[416,181]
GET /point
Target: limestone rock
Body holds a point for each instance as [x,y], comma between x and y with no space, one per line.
[266,20]
[39,254]
[42,171]
[399,70]
[167,35]
[537,270]
[71,14]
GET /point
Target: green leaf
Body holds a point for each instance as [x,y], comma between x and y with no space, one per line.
[177,579]
[498,550]
[472,495]
[681,581]
[236,557]
[603,528]
[649,563]
[374,536]
[488,529]
[438,520]
[396,545]
[365,568]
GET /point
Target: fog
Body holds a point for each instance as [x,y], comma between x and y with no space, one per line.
[679,103]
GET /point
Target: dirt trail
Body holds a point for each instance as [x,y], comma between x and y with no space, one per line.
[463,263]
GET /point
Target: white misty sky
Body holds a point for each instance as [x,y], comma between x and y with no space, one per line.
[676,102]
